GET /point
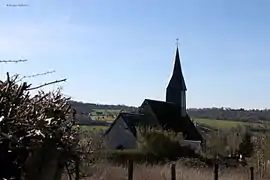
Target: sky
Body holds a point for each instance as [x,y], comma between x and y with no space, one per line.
[122,51]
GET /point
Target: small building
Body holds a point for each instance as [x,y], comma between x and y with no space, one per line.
[169,115]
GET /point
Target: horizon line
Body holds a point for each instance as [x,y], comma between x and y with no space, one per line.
[222,107]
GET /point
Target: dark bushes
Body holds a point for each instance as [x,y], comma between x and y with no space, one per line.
[163,144]
[36,138]
[154,146]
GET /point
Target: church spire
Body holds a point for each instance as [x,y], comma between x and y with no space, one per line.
[176,89]
[177,79]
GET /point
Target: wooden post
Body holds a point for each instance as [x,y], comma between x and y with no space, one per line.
[216,171]
[251,173]
[77,168]
[130,170]
[173,172]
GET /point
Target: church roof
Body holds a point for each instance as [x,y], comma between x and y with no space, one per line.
[169,117]
[177,80]
[132,121]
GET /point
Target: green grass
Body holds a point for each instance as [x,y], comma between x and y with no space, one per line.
[107,110]
[93,128]
[103,118]
[219,123]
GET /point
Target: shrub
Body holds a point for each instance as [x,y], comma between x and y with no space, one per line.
[35,132]
[163,144]
[136,155]
[246,147]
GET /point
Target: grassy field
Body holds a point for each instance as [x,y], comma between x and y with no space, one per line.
[105,111]
[105,114]
[93,128]
[219,123]
[103,118]
[207,122]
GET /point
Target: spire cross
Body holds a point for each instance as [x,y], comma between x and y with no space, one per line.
[177,42]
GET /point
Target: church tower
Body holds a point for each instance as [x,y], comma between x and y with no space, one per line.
[176,89]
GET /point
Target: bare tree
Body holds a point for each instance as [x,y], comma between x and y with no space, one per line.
[37,138]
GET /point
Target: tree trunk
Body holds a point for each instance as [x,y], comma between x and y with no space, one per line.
[44,164]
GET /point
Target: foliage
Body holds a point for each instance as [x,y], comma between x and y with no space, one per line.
[34,129]
[88,107]
[137,155]
[246,147]
[216,143]
[90,145]
[218,123]
[234,138]
[224,142]
[164,144]
[261,154]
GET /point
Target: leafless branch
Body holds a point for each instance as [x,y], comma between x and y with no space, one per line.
[33,126]
[46,84]
[35,75]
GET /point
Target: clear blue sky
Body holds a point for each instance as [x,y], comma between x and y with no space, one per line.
[122,51]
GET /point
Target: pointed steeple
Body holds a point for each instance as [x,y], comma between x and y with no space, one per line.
[176,89]
[177,80]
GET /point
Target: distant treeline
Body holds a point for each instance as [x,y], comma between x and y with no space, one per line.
[231,114]
[209,113]
[88,107]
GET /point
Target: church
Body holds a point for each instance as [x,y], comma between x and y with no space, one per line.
[170,114]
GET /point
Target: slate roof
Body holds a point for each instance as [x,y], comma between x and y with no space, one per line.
[169,117]
[132,120]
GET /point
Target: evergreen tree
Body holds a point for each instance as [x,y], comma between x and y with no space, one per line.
[246,147]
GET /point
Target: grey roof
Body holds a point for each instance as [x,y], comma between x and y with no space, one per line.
[132,120]
[170,118]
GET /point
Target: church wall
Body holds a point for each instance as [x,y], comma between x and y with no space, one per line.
[120,135]
[183,103]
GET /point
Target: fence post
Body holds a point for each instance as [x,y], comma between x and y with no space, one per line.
[173,173]
[216,171]
[130,170]
[77,168]
[252,173]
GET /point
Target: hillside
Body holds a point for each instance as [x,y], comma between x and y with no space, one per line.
[88,107]
[205,113]
[208,118]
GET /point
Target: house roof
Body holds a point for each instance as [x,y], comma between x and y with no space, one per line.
[169,117]
[177,80]
[132,120]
